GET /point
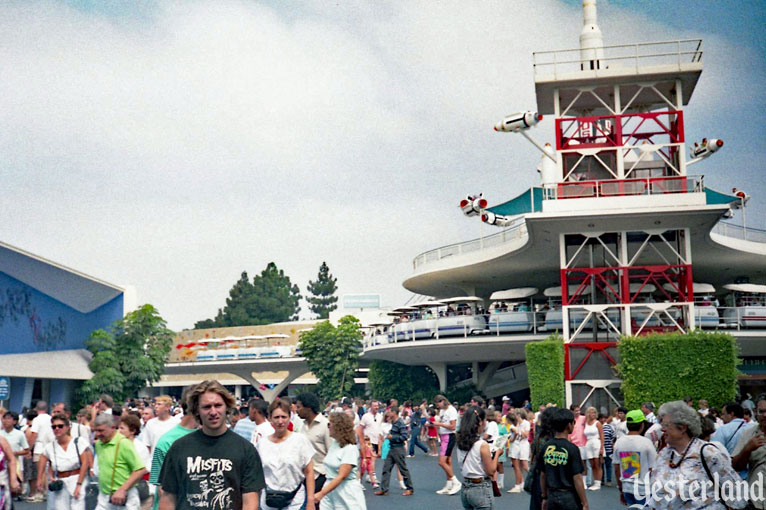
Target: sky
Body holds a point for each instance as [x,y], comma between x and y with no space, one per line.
[172,145]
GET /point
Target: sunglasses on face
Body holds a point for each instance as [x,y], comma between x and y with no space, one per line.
[58,426]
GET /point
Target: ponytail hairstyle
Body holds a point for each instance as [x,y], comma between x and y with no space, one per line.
[469,431]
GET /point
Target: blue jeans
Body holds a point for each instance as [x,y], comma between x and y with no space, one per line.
[630,499]
[477,496]
[608,469]
[415,441]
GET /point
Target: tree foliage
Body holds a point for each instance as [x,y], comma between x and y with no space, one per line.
[332,355]
[128,356]
[270,297]
[322,299]
[545,371]
[393,380]
[670,366]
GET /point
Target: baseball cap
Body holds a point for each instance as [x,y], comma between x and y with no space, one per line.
[635,416]
[505,398]
[345,401]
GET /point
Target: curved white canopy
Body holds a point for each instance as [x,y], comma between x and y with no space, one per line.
[699,288]
[463,299]
[404,309]
[556,291]
[649,287]
[278,335]
[751,288]
[429,304]
[511,294]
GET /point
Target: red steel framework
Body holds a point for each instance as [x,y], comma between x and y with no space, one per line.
[592,347]
[612,131]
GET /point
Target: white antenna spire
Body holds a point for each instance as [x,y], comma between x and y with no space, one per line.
[591,41]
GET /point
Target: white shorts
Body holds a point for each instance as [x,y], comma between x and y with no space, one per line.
[520,450]
[133,502]
[592,449]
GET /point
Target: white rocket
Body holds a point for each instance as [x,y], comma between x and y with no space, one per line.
[591,40]
[496,219]
[473,204]
[516,122]
[706,148]
[547,167]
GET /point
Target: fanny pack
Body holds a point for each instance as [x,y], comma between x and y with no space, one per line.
[280,499]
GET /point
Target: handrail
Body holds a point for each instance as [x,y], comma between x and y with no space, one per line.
[691,48]
[517,230]
[624,187]
[733,231]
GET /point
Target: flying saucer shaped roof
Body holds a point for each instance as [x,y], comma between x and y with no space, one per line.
[699,288]
[463,299]
[746,287]
[511,294]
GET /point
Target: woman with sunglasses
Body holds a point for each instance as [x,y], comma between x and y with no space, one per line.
[67,460]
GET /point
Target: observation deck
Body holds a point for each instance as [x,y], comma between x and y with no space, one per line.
[658,64]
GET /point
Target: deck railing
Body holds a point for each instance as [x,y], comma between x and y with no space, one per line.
[739,232]
[623,56]
[517,230]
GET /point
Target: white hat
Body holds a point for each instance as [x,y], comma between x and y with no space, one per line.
[505,397]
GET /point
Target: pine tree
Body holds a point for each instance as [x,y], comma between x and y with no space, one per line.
[323,299]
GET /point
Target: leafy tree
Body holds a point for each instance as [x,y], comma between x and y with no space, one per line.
[271,297]
[332,354]
[393,380]
[323,299]
[128,356]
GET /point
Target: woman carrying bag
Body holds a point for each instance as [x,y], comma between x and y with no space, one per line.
[67,460]
[476,463]
[286,459]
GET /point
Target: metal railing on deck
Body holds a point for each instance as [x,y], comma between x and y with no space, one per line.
[624,187]
[624,56]
[516,231]
[739,232]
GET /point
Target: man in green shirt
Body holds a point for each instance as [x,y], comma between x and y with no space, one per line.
[188,424]
[119,467]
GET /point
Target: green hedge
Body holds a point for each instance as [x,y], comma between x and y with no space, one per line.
[393,380]
[670,366]
[545,371]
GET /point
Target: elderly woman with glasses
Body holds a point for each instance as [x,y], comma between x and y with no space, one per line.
[687,464]
[750,451]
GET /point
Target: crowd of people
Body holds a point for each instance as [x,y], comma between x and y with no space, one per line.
[207,451]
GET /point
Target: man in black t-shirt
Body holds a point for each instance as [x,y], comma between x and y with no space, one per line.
[212,468]
[561,467]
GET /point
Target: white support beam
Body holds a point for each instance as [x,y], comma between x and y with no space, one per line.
[440,369]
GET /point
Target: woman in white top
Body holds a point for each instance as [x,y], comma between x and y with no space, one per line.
[520,449]
[594,446]
[286,460]
[130,427]
[477,464]
[342,491]
[68,460]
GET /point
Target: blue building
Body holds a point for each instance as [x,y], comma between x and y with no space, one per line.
[47,311]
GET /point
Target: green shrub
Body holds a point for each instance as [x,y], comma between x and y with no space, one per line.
[545,371]
[670,366]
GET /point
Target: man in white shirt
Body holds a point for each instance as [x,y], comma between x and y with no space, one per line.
[316,428]
[147,413]
[369,427]
[447,423]
[157,427]
[76,429]
[648,409]
[259,410]
[41,434]
[618,423]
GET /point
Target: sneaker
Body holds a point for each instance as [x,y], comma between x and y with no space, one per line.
[516,489]
[456,486]
[367,478]
[410,456]
[375,485]
[446,488]
[37,498]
